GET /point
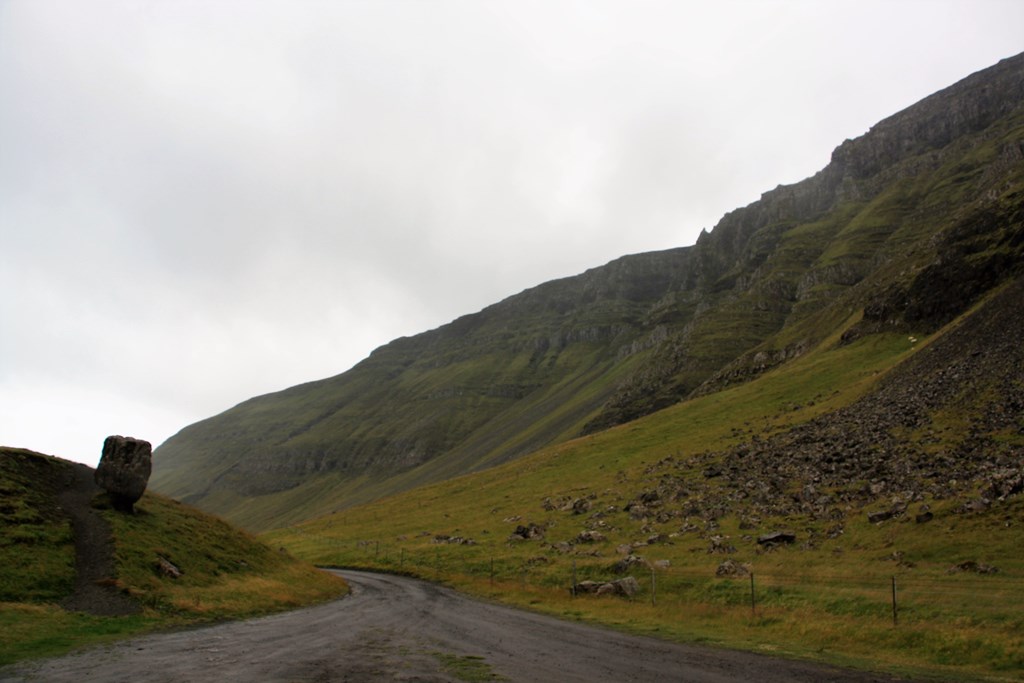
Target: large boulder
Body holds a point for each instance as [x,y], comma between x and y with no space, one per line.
[124,470]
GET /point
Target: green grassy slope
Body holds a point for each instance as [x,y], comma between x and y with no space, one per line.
[226,573]
[675,495]
[911,224]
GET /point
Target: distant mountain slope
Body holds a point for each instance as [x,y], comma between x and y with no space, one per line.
[906,227]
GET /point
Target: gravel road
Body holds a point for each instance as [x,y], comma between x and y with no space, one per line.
[398,629]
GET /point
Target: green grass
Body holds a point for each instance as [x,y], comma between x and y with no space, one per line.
[227,574]
[830,601]
[467,667]
[45,630]
[37,552]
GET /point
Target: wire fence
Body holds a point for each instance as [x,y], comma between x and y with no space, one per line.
[969,596]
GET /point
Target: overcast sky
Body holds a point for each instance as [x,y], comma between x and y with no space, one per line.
[205,201]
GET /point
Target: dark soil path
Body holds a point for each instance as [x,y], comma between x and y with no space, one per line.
[94,549]
[398,629]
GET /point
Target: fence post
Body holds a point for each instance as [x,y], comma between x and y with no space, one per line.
[572,591]
[753,599]
[895,619]
[654,588]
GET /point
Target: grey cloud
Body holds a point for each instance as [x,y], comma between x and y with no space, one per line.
[201,201]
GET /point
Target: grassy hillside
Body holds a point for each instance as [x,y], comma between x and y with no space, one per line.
[928,499]
[910,223]
[226,574]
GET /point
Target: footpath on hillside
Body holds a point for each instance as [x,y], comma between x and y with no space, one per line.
[95,568]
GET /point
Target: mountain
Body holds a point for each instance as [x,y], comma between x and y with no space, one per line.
[905,228]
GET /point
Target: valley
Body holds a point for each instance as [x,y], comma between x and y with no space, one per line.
[801,437]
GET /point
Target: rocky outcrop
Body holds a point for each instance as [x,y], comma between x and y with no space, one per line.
[124,470]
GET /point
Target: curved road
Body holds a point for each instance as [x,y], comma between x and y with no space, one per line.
[399,629]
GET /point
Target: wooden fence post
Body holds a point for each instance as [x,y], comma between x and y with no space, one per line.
[895,619]
[753,599]
[654,588]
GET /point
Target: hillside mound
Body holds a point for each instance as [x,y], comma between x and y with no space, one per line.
[73,569]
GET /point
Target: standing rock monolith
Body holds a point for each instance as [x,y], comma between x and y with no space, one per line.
[124,470]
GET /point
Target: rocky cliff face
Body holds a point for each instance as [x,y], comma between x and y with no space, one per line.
[881,185]
[908,224]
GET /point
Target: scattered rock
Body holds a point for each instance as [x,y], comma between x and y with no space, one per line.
[731,568]
[776,538]
[453,540]
[165,567]
[976,505]
[636,510]
[580,506]
[627,587]
[588,586]
[899,557]
[124,470]
[527,532]
[879,516]
[650,497]
[626,563]
[972,566]
[720,544]
[1004,483]
[590,537]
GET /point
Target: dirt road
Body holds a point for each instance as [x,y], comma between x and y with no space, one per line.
[397,629]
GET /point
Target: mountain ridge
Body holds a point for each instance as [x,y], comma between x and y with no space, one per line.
[927,200]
